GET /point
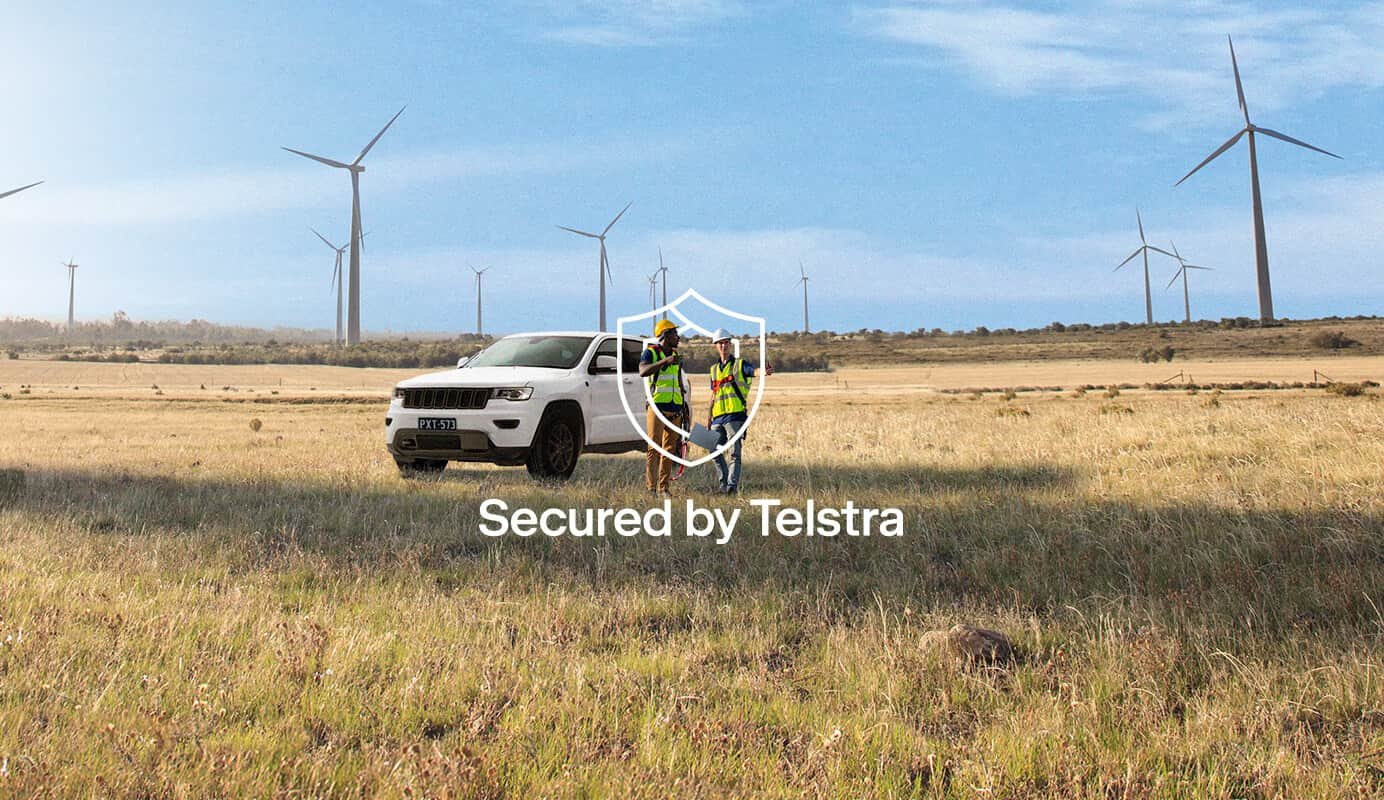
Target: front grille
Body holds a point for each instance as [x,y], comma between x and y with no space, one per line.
[446,398]
[439,441]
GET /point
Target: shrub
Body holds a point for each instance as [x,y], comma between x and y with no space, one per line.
[1011,411]
[255,424]
[1115,408]
[1111,392]
[1332,340]
[1346,389]
[1008,395]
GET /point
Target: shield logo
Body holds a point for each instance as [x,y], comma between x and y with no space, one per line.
[679,310]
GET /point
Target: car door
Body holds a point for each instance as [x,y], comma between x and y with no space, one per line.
[633,387]
[603,408]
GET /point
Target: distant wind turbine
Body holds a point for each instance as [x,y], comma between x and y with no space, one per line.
[1261,247]
[1182,268]
[603,270]
[803,280]
[653,290]
[336,282]
[71,291]
[479,273]
[3,195]
[664,270]
[1144,248]
[355,168]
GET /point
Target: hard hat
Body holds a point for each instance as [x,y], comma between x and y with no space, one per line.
[664,326]
[721,335]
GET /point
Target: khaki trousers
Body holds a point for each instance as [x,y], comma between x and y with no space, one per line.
[658,467]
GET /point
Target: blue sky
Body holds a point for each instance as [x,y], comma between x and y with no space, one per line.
[932,164]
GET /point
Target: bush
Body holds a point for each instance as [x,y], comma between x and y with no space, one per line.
[1332,340]
[1346,389]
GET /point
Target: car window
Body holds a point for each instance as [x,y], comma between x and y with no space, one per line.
[632,350]
[605,348]
[552,352]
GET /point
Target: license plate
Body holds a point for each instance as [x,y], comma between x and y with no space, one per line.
[436,424]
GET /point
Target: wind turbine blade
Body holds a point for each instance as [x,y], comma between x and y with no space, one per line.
[617,218]
[1161,250]
[1239,90]
[605,264]
[1176,254]
[1127,260]
[1176,275]
[801,270]
[377,136]
[1140,220]
[17,191]
[1194,266]
[1291,140]
[579,233]
[326,161]
[660,259]
[323,238]
[1229,143]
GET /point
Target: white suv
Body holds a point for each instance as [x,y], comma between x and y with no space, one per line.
[538,399]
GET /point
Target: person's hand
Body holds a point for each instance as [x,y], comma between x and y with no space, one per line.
[768,369]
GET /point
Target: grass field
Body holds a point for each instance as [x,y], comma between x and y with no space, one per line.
[1194,584]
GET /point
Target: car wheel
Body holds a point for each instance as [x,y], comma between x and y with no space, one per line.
[555,448]
[421,467]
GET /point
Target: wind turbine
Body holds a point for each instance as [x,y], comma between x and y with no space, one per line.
[653,290]
[3,195]
[1261,247]
[336,281]
[71,290]
[663,270]
[479,273]
[803,280]
[603,270]
[355,168]
[1182,268]
[1144,248]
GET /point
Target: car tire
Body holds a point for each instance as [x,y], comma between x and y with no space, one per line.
[556,447]
[421,467]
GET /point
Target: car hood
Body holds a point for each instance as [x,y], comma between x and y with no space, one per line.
[486,377]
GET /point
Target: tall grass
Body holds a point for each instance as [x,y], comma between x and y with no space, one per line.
[189,607]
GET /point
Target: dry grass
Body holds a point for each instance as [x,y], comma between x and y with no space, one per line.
[189,607]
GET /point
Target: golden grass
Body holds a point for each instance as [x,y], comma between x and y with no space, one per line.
[192,608]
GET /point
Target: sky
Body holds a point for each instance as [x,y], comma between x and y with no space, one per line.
[929,164]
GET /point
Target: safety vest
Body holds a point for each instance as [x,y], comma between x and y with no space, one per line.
[666,383]
[727,397]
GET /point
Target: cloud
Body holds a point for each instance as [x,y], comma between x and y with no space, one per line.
[634,23]
[1175,55]
[227,193]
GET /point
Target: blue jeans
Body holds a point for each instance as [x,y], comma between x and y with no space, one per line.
[729,474]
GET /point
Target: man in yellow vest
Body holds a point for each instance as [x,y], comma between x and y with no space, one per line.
[731,378]
[661,365]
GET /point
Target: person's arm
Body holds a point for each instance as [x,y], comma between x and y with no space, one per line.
[647,365]
[755,372]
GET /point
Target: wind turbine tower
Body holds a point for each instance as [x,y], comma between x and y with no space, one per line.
[355,168]
[336,281]
[603,268]
[1261,247]
[1182,268]
[71,291]
[1144,248]
[803,280]
[664,270]
[479,273]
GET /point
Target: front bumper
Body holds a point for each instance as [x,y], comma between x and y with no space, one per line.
[500,433]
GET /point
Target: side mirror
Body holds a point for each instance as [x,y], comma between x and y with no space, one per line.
[604,365]
[463,361]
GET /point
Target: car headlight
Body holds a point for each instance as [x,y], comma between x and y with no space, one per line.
[512,393]
[398,392]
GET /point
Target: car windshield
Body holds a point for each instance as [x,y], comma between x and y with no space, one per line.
[552,352]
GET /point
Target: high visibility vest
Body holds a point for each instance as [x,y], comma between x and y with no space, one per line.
[724,379]
[665,384]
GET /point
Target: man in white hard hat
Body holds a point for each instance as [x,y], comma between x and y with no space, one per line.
[731,378]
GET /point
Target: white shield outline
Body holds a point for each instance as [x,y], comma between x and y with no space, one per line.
[672,308]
